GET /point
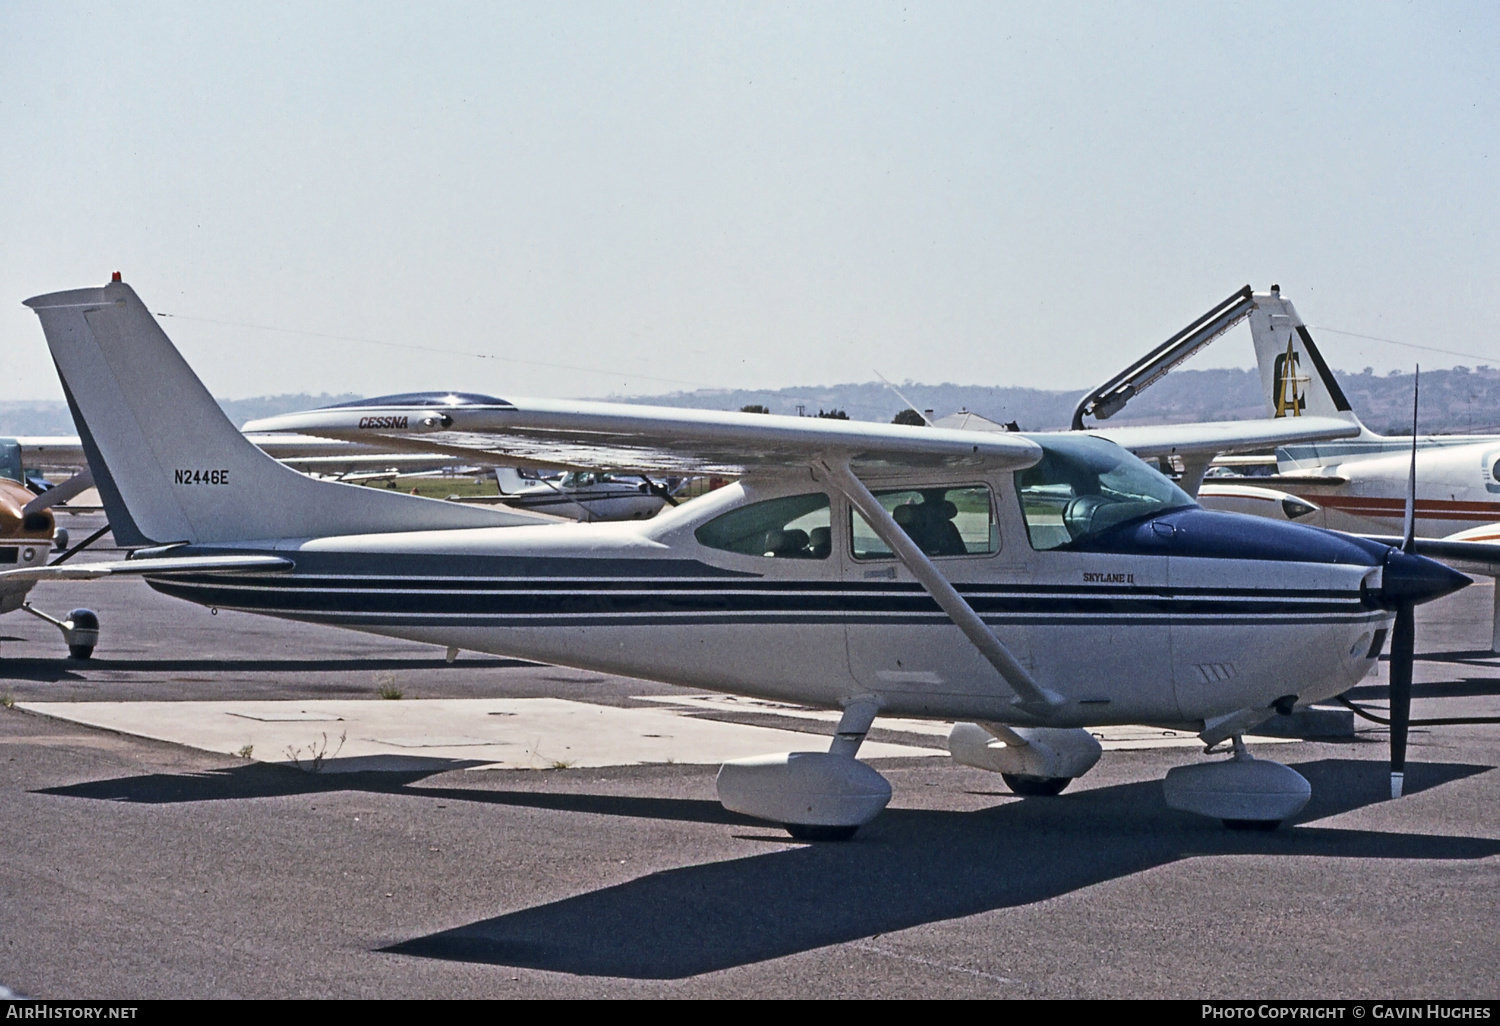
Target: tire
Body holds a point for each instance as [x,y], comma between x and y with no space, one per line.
[1035,787]
[804,832]
[1266,825]
[80,651]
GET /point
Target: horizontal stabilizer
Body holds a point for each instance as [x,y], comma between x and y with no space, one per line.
[137,567]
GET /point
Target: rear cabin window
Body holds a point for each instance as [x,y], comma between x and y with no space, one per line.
[942,521]
[793,527]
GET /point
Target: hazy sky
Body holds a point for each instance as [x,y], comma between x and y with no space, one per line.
[752,195]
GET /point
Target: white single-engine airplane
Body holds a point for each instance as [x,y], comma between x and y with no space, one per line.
[1030,586]
[583,494]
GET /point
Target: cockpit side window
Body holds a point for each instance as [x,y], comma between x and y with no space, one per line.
[793,527]
[1083,486]
[942,521]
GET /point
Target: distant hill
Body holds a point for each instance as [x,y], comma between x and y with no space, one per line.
[51,417]
[1457,401]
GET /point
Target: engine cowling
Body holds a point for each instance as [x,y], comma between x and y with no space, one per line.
[804,789]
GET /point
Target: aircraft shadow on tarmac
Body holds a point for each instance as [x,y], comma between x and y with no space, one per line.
[52,670]
[1464,687]
[1477,656]
[907,868]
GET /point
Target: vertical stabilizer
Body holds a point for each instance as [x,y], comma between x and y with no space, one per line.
[170,466]
[1294,377]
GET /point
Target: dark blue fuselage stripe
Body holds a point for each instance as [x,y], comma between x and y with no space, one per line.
[517,622]
[882,589]
[286,596]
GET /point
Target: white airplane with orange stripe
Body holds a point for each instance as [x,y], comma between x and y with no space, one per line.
[1353,484]
[1360,484]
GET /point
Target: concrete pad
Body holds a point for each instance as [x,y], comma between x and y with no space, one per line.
[1116,739]
[340,735]
[734,703]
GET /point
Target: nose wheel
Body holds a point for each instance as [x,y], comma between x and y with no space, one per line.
[1243,792]
[1035,787]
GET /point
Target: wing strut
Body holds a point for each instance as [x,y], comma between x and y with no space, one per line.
[1032,697]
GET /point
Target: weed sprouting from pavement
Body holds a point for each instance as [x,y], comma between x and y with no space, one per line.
[316,753]
[246,751]
[388,689]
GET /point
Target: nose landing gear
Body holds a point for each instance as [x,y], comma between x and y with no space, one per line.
[80,630]
[1245,792]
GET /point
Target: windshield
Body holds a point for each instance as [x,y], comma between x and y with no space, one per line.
[586,479]
[1083,486]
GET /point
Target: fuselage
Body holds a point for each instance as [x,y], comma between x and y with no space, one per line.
[1458,488]
[1170,618]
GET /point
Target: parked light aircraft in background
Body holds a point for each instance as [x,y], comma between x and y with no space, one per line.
[1359,483]
[1356,484]
[1031,586]
[586,495]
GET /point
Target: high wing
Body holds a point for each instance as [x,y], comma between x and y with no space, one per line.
[1217,437]
[1209,439]
[589,435]
[165,565]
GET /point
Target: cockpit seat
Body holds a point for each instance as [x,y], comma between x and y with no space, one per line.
[790,543]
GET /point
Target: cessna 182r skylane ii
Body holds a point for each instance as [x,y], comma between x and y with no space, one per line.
[1030,586]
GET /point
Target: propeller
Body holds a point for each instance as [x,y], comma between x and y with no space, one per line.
[1404,635]
[1407,581]
[661,491]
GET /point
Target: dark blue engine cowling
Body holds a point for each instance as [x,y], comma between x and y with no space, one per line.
[1196,533]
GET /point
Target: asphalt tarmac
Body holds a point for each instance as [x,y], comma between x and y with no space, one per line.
[142,869]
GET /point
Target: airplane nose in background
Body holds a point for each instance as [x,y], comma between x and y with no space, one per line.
[1416,579]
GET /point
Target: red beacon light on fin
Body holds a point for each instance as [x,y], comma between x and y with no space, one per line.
[115,276]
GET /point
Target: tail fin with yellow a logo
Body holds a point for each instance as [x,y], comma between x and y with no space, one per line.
[1294,377]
